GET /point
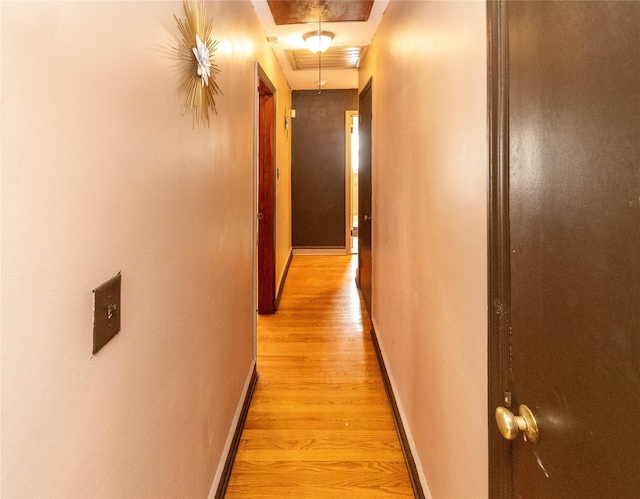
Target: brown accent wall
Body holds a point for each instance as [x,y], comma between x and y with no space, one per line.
[317,167]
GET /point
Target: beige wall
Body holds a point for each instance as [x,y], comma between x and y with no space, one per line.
[269,63]
[101,173]
[283,182]
[428,62]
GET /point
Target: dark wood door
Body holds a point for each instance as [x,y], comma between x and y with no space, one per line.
[571,318]
[266,198]
[364,196]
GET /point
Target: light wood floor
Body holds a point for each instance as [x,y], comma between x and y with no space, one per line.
[319,424]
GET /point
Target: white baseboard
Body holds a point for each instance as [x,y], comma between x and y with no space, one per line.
[232,431]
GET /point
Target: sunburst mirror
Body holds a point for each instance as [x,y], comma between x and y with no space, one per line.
[196,49]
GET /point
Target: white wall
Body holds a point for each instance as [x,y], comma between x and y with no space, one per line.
[428,62]
[101,173]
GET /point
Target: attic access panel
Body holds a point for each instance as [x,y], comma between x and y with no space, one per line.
[330,11]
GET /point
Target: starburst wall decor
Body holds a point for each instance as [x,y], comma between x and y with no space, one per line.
[196,51]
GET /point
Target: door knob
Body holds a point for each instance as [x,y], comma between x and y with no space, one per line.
[367,217]
[511,425]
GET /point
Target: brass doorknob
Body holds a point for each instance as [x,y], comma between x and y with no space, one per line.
[511,425]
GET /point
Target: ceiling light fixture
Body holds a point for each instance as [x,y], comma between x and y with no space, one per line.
[317,42]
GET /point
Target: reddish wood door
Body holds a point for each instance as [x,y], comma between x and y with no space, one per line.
[266,198]
[571,313]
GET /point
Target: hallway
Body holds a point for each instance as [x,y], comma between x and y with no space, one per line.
[319,424]
[129,183]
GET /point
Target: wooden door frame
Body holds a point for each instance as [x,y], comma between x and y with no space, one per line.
[266,190]
[499,292]
[349,115]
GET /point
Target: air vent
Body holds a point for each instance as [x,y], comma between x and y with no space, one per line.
[333,58]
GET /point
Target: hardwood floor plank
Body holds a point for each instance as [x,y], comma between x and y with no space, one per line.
[383,468]
[301,455]
[313,491]
[319,420]
[327,477]
[319,425]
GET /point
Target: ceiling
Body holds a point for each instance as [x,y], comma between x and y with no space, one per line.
[353,23]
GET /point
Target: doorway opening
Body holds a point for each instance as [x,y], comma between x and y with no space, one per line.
[351,181]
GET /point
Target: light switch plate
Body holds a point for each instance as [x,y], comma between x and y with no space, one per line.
[106,312]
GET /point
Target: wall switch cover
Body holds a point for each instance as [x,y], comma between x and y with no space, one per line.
[106,312]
